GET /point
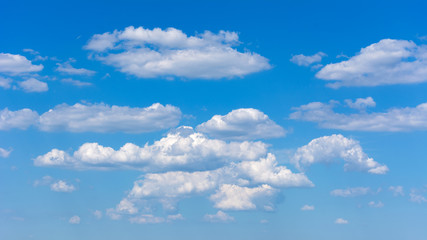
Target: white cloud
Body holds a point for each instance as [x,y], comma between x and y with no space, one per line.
[220,216]
[307,208]
[374,204]
[177,149]
[266,171]
[341,221]
[14,64]
[386,62]
[361,103]
[146,218]
[147,53]
[33,85]
[242,124]
[94,118]
[329,148]
[234,197]
[350,192]
[20,119]
[4,153]
[302,60]
[74,220]
[62,186]
[105,118]
[76,83]
[97,214]
[416,196]
[397,190]
[46,180]
[393,120]
[68,69]
[174,217]
[5,82]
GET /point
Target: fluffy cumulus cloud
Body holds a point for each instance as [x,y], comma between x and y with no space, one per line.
[151,53]
[302,60]
[4,153]
[33,85]
[242,124]
[105,118]
[20,119]
[329,148]
[392,120]
[351,192]
[183,149]
[13,64]
[234,197]
[94,118]
[62,186]
[66,68]
[220,216]
[386,62]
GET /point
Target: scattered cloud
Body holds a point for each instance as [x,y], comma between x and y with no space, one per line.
[397,190]
[220,216]
[234,197]
[5,82]
[62,186]
[76,83]
[146,219]
[307,208]
[74,220]
[350,192]
[94,118]
[98,214]
[242,124]
[393,120]
[33,85]
[146,53]
[361,103]
[66,68]
[386,62]
[416,196]
[341,221]
[46,180]
[4,153]
[178,149]
[14,64]
[302,60]
[329,148]
[21,119]
[374,204]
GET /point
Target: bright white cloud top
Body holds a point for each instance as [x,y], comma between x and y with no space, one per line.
[392,120]
[14,64]
[83,117]
[328,149]
[146,53]
[62,186]
[242,124]
[178,149]
[386,62]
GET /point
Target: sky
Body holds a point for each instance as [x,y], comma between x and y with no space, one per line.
[213,120]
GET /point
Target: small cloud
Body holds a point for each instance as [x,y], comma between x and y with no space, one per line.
[220,216]
[378,204]
[74,220]
[350,192]
[175,217]
[76,83]
[97,214]
[68,69]
[302,60]
[61,186]
[264,221]
[307,208]
[4,153]
[46,180]
[33,85]
[397,190]
[416,197]
[341,221]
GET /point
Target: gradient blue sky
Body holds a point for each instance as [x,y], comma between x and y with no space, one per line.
[326,95]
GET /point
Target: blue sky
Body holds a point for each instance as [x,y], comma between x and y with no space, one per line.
[214,120]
